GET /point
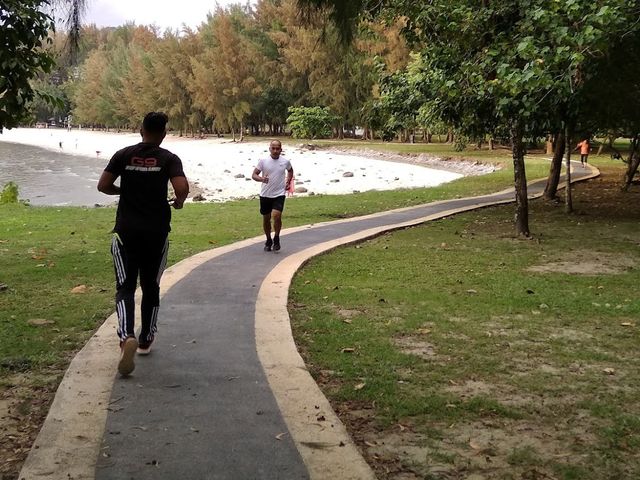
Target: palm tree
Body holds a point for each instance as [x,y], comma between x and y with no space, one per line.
[73,11]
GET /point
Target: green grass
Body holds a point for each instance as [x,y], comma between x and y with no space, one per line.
[450,325]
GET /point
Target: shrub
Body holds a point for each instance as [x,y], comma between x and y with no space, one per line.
[9,193]
[310,122]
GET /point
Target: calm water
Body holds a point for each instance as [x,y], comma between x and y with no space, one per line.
[46,177]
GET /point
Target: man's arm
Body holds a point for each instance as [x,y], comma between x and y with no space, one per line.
[256,176]
[289,177]
[106,184]
[181,189]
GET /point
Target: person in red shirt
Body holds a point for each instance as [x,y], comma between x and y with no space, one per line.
[584,147]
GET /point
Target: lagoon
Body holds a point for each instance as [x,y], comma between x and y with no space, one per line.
[46,177]
[62,167]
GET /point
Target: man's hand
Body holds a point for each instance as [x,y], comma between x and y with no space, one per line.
[106,185]
[256,176]
[175,203]
[181,189]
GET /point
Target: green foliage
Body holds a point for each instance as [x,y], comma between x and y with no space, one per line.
[24,30]
[9,193]
[477,68]
[503,66]
[50,101]
[242,67]
[460,143]
[613,92]
[498,64]
[310,122]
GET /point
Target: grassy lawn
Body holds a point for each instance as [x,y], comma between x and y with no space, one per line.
[453,350]
[56,265]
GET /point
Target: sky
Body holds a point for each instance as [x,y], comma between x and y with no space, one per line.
[164,13]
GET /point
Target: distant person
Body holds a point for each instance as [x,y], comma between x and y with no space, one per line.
[140,236]
[275,173]
[584,147]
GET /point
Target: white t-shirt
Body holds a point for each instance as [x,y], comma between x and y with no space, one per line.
[276,170]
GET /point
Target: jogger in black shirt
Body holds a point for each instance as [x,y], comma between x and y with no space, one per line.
[140,239]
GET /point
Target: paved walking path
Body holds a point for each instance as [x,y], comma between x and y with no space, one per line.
[224,393]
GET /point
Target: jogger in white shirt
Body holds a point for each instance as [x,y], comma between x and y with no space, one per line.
[275,173]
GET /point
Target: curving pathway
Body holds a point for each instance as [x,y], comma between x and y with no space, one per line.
[224,394]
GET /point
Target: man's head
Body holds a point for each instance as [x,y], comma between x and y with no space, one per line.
[275,147]
[154,127]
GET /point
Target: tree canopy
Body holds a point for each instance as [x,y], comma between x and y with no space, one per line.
[515,70]
[24,30]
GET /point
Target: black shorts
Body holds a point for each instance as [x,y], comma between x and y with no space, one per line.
[267,204]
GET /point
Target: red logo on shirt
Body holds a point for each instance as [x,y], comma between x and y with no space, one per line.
[144,162]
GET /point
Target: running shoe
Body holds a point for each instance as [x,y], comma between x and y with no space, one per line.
[128,348]
[144,348]
[267,245]
[276,244]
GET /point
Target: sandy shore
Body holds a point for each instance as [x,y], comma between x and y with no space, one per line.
[220,170]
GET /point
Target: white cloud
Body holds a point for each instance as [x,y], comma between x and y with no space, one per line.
[165,14]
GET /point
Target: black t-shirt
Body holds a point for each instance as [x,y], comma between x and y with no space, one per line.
[144,170]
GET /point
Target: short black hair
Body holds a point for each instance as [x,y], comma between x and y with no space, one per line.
[155,122]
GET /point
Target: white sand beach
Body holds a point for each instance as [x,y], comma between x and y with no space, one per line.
[220,169]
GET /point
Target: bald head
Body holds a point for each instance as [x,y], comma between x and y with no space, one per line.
[275,147]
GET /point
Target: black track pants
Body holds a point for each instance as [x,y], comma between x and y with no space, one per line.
[143,254]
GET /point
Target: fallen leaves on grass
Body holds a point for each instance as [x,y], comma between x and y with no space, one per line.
[38,322]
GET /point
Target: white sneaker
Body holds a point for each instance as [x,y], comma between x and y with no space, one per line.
[128,348]
[144,349]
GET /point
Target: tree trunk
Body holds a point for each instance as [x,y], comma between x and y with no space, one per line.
[551,189]
[491,143]
[632,163]
[568,200]
[632,168]
[520,180]
[450,138]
